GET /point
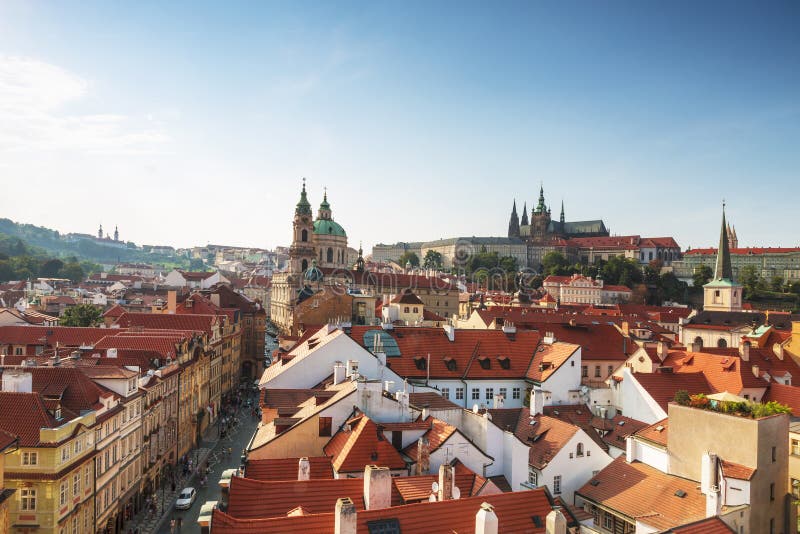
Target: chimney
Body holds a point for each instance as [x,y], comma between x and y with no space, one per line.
[111,353]
[339,373]
[345,517]
[172,300]
[697,346]
[423,457]
[662,350]
[377,487]
[555,522]
[486,520]
[709,481]
[626,328]
[777,348]
[303,469]
[450,331]
[744,351]
[537,401]
[445,482]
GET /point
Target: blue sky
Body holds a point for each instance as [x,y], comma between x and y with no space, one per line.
[193,122]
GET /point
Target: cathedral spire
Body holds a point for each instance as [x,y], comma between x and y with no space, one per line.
[561,218]
[540,207]
[723,269]
[513,223]
[524,221]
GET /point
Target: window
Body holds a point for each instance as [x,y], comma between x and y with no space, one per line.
[489,394]
[584,371]
[722,343]
[416,309]
[608,521]
[774,455]
[795,447]
[405,309]
[515,393]
[476,394]
[30,458]
[557,485]
[579,450]
[610,369]
[27,499]
[325,426]
[62,494]
[772,491]
[304,235]
[503,393]
[533,476]
[65,454]
[459,393]
[446,393]
[76,484]
[86,473]
[597,371]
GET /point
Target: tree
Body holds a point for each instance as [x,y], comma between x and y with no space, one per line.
[73,271]
[702,275]
[749,278]
[776,284]
[81,315]
[51,268]
[622,271]
[554,263]
[432,260]
[408,257]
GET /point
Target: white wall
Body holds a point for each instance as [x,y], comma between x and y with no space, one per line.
[575,471]
[458,446]
[635,402]
[651,455]
[565,379]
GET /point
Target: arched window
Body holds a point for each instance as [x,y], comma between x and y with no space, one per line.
[722,343]
[330,255]
[305,265]
[699,340]
[579,451]
[304,236]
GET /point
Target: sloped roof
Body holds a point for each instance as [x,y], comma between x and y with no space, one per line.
[363,445]
[23,414]
[639,491]
[663,386]
[168,321]
[65,336]
[467,347]
[549,358]
[788,395]
[712,525]
[437,435]
[278,469]
[656,433]
[545,438]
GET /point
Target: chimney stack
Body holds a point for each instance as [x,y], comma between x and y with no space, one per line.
[697,346]
[626,328]
[537,401]
[339,373]
[377,487]
[446,476]
[345,517]
[744,351]
[423,457]
[303,469]
[555,522]
[172,301]
[662,350]
[486,520]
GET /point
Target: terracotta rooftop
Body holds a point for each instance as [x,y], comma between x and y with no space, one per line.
[521,512]
[277,469]
[437,435]
[638,491]
[168,321]
[549,358]
[23,414]
[712,525]
[738,471]
[788,395]
[663,386]
[364,444]
[656,433]
[545,438]
[433,401]
[500,355]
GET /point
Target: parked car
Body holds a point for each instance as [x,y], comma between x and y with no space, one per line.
[186,499]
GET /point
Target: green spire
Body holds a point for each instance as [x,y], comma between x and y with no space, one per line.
[325,205]
[540,207]
[723,268]
[562,213]
[303,207]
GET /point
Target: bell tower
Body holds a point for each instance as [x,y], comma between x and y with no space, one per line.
[722,293]
[301,252]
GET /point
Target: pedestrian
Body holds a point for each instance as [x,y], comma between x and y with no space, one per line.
[172,525]
[180,523]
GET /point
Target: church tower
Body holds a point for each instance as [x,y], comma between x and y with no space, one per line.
[524,221]
[513,223]
[722,293]
[116,233]
[540,219]
[100,232]
[301,252]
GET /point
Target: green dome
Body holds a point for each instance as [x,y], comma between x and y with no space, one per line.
[328,227]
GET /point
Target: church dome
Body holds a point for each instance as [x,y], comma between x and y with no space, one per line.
[313,273]
[328,227]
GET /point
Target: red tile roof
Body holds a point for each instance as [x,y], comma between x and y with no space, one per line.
[437,435]
[277,469]
[743,251]
[545,438]
[788,395]
[639,491]
[167,321]
[363,445]
[517,512]
[65,336]
[737,471]
[712,525]
[656,433]
[23,414]
[468,346]
[548,359]
[663,386]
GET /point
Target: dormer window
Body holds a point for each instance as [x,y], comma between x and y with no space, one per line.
[504,362]
[420,362]
[450,362]
[485,362]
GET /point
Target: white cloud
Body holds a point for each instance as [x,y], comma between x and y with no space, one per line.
[32,97]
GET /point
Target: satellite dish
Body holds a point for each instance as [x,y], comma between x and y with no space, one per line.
[474,408]
[435,487]
[456,492]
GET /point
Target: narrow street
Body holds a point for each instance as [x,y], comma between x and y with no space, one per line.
[237,441]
